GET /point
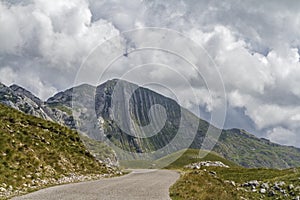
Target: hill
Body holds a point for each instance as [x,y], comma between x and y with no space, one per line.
[103,113]
[36,153]
[232,182]
[192,156]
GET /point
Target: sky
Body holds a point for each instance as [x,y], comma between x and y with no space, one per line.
[252,45]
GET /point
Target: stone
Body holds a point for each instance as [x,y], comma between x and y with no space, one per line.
[283,191]
[276,187]
[265,185]
[10,188]
[291,186]
[280,184]
[254,183]
[297,198]
[263,190]
[2,189]
[271,193]
[206,164]
[233,183]
[213,173]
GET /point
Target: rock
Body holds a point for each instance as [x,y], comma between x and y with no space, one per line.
[292,193]
[245,185]
[297,198]
[280,184]
[253,184]
[233,183]
[2,189]
[213,173]
[290,187]
[263,190]
[265,185]
[277,187]
[10,188]
[28,176]
[206,164]
[196,167]
[283,191]
[271,193]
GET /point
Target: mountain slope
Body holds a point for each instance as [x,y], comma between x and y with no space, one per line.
[250,151]
[103,113]
[235,145]
[24,101]
[35,153]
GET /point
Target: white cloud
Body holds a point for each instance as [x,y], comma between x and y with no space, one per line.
[8,76]
[256,49]
[283,136]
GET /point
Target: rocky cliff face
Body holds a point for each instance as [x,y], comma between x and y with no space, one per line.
[24,101]
[136,119]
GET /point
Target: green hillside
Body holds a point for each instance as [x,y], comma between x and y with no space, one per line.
[36,153]
[236,145]
[233,182]
[192,156]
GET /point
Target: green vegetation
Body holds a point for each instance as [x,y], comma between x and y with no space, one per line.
[227,183]
[249,151]
[137,164]
[201,184]
[33,150]
[62,108]
[192,156]
[176,160]
[98,149]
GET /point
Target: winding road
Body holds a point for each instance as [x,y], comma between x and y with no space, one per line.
[139,184]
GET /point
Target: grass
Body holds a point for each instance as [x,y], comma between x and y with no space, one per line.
[34,149]
[201,184]
[61,108]
[191,156]
[176,160]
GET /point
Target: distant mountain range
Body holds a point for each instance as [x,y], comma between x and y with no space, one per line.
[99,113]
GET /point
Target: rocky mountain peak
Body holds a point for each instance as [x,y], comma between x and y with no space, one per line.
[22,91]
[103,115]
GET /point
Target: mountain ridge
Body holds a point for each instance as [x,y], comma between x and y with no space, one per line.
[234,144]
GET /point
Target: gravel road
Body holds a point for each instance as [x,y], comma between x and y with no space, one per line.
[140,184]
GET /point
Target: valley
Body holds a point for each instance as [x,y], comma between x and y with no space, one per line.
[40,148]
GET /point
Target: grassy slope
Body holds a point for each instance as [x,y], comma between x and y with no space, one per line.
[250,151]
[192,156]
[200,184]
[188,156]
[35,149]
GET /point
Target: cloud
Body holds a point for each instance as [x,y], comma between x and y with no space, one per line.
[255,46]
[47,40]
[283,136]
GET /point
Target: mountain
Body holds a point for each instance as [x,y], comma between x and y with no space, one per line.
[36,153]
[24,101]
[122,113]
